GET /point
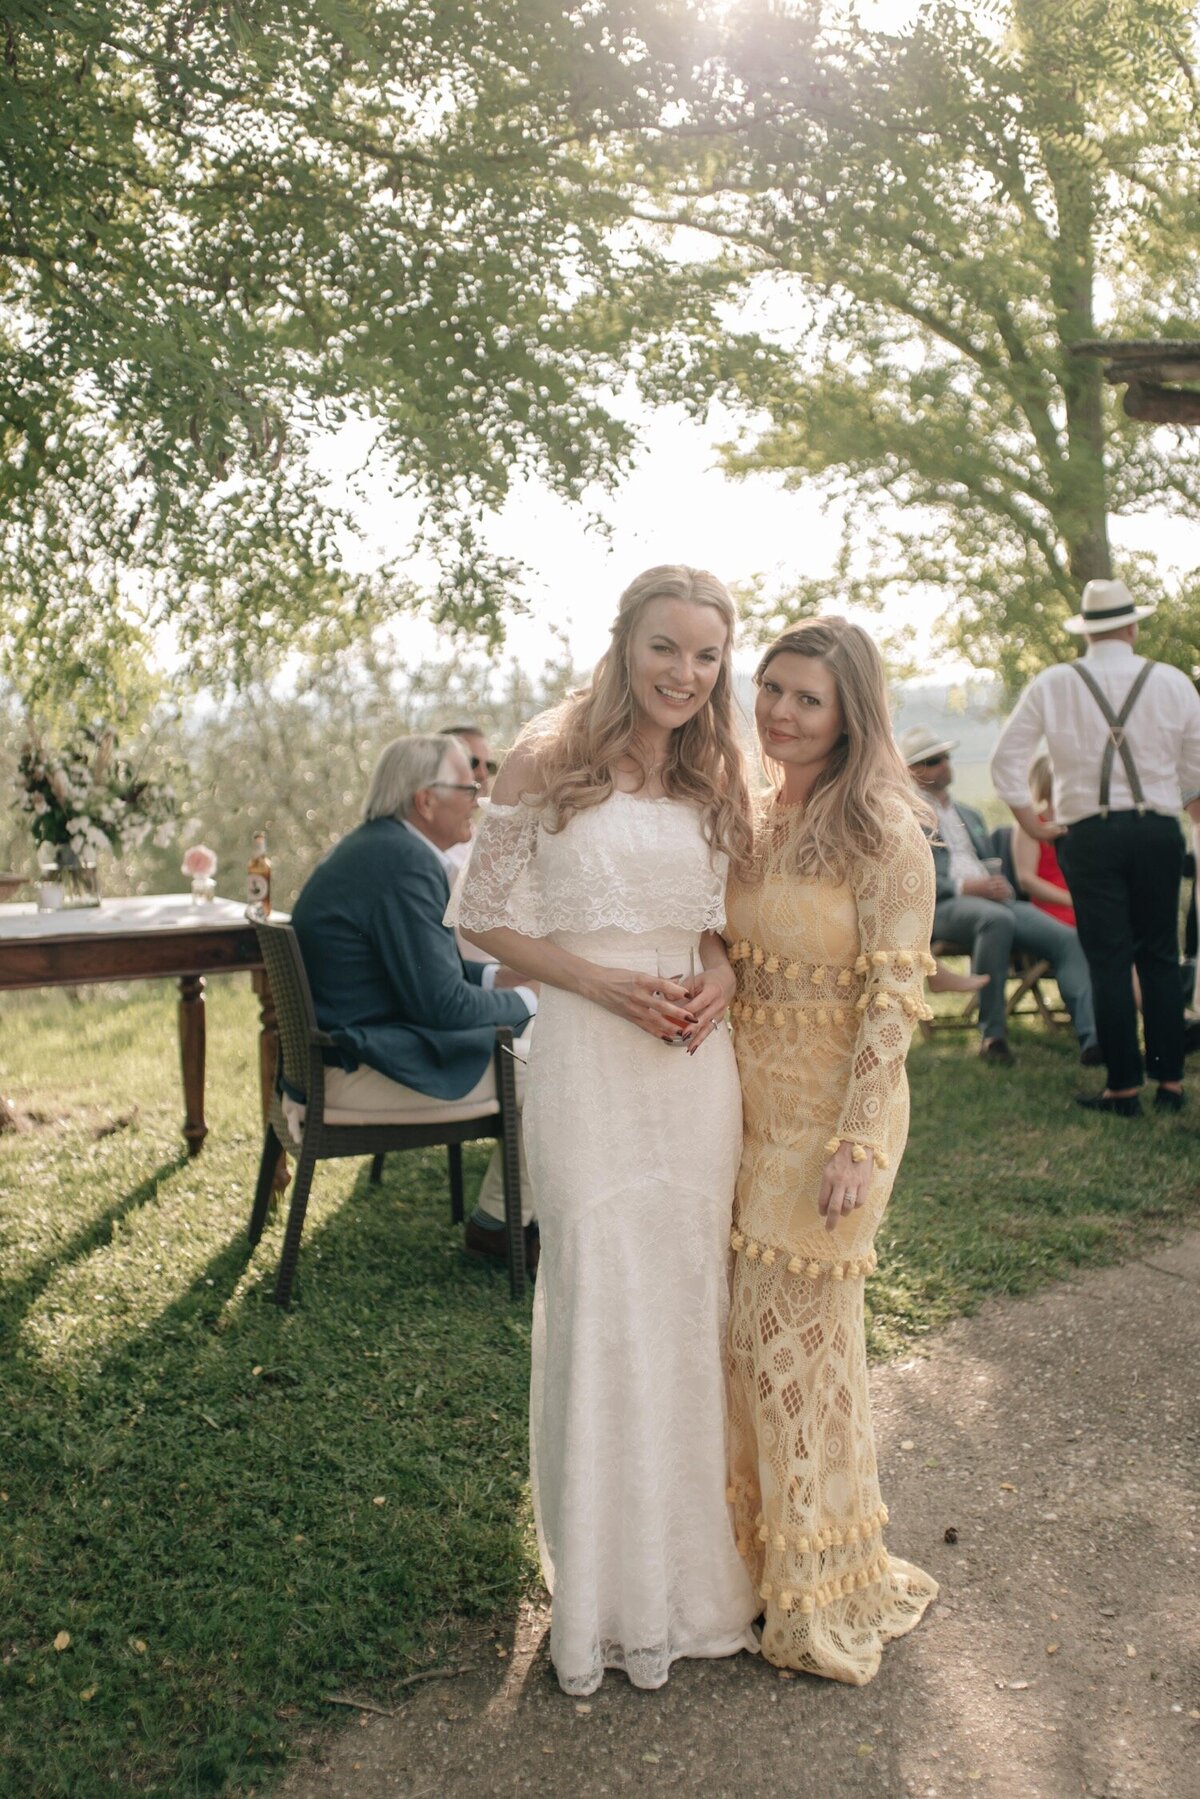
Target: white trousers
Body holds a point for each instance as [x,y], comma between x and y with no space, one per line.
[364,1090]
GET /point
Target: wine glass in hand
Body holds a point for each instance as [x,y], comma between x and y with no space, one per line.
[679,967]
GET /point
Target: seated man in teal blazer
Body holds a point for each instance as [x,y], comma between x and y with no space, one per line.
[411,1020]
[974,905]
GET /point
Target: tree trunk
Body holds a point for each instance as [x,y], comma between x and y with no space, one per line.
[1083,514]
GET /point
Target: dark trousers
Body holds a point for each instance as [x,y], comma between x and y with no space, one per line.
[1124,873]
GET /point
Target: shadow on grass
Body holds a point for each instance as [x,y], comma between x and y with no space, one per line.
[236,1512]
[239,1511]
[20,1293]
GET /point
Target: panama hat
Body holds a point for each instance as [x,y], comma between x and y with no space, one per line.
[920,742]
[1106,606]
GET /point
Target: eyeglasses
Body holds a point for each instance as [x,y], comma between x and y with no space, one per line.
[932,761]
[457,786]
[477,762]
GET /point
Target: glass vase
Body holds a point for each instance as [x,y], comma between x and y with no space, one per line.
[72,871]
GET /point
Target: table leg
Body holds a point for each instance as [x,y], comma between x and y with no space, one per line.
[191,1056]
[268,1053]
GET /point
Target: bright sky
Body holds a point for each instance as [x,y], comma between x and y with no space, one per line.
[676,506]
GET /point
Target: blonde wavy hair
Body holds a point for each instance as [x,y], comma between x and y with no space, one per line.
[851,811]
[578,744]
[1041,779]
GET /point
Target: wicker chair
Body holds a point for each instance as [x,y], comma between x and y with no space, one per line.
[302,1064]
[1028,970]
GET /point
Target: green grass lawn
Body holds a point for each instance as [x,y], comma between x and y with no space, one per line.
[233,1512]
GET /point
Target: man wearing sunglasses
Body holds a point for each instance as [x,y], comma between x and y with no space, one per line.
[411,1020]
[479,755]
[976,906]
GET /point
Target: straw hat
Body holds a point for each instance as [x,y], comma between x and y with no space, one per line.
[1106,606]
[920,742]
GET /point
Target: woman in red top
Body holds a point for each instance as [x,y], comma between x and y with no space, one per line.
[1038,875]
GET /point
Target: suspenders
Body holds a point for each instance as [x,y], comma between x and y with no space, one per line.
[1117,743]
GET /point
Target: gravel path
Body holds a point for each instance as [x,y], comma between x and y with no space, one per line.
[1059,1437]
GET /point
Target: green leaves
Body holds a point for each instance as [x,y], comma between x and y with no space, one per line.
[955,207]
[224,230]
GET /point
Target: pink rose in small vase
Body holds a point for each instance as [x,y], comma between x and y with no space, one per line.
[200,863]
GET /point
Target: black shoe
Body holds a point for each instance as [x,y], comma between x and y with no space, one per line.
[1167,1100]
[1091,1056]
[1126,1105]
[997,1052]
[478,1240]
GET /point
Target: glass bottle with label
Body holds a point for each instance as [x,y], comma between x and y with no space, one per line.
[258,877]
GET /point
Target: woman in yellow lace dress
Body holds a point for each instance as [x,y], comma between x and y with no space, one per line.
[829,937]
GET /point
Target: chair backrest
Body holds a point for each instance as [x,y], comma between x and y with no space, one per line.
[294,1009]
[1002,846]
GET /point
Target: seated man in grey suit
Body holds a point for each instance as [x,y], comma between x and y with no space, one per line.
[411,1020]
[975,905]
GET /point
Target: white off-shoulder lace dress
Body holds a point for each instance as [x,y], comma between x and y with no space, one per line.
[633,1150]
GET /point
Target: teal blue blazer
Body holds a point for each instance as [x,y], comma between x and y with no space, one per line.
[387,978]
[981,839]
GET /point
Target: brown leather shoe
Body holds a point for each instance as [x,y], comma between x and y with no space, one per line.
[479,1241]
[997,1052]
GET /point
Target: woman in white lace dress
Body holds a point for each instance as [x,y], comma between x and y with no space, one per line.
[605,848]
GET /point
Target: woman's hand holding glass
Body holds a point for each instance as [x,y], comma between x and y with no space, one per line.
[711,998]
[656,1004]
[844,1184]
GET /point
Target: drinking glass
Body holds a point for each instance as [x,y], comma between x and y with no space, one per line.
[678,965]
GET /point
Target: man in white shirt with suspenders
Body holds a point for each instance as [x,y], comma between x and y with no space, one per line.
[1124,737]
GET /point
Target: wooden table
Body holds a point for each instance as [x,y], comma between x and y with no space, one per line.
[145,939]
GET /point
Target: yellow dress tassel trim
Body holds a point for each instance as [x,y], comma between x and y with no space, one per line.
[830,1536]
[818,973]
[745,1011]
[831,1590]
[768,1255]
[859,1152]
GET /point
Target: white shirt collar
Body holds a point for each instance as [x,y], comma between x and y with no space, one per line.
[443,858]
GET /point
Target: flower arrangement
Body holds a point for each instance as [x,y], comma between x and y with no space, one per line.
[199,862]
[89,796]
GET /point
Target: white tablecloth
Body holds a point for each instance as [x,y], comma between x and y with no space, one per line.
[121,917]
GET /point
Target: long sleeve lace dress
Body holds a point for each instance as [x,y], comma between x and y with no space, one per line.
[632,1149]
[829,988]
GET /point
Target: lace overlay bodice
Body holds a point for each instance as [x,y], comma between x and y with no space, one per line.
[829,989]
[631,864]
